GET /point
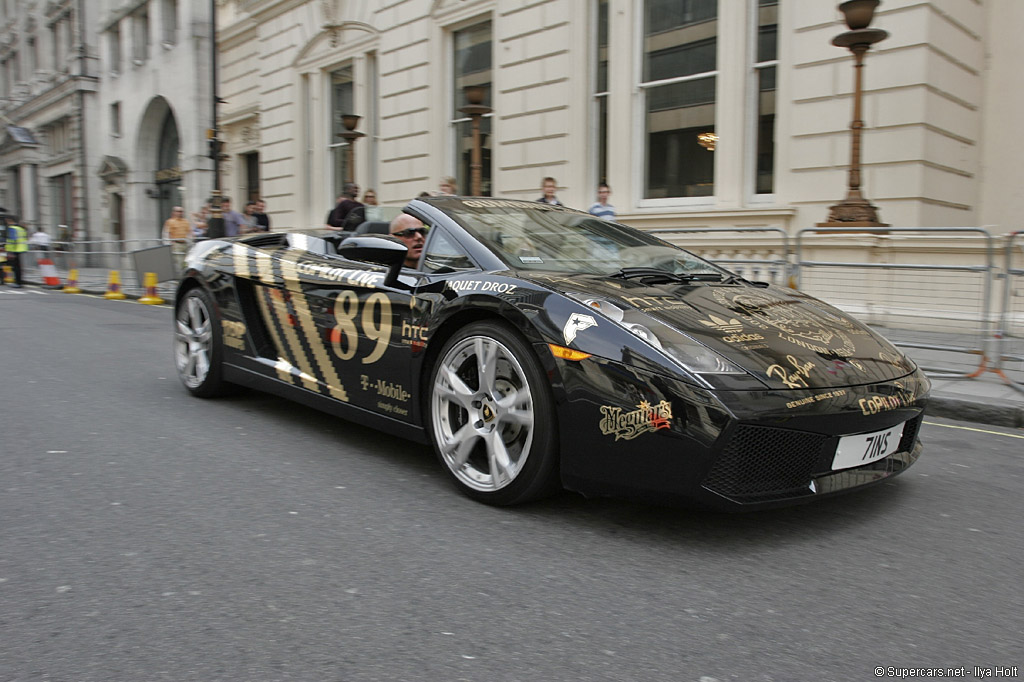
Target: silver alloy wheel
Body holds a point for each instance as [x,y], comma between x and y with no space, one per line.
[193,341]
[482,412]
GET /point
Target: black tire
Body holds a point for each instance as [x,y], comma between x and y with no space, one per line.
[198,345]
[492,423]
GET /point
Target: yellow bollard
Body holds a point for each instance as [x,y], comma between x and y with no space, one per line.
[8,275]
[114,287]
[150,297]
[71,287]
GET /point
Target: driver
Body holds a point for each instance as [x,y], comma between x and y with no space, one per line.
[412,233]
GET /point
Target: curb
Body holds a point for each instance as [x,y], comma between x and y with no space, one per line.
[962,409]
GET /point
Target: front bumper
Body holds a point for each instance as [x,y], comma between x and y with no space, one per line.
[638,434]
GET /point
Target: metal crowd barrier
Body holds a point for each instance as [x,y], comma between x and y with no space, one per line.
[767,260]
[1010,334]
[929,306]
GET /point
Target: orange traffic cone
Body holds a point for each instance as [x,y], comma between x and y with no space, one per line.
[49,272]
[151,297]
[114,287]
[72,284]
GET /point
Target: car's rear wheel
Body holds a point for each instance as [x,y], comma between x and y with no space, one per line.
[197,345]
[491,416]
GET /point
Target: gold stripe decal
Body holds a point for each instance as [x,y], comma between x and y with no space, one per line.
[308,328]
[267,307]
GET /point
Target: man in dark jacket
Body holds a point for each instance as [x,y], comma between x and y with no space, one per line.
[336,218]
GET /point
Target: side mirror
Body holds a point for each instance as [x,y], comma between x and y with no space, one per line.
[378,249]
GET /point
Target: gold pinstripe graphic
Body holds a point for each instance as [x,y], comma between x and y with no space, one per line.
[240,257]
[309,329]
[267,308]
[295,353]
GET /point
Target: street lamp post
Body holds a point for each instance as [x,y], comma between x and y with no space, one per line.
[475,109]
[215,224]
[855,210]
[350,134]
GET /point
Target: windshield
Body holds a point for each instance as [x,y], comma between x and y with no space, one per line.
[534,236]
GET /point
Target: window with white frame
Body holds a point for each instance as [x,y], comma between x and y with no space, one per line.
[680,70]
[600,101]
[114,48]
[169,17]
[59,135]
[140,35]
[765,67]
[687,55]
[115,119]
[342,106]
[471,80]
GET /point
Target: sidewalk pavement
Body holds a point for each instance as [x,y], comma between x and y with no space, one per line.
[988,398]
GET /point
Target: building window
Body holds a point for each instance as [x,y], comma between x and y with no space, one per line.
[600,112]
[140,36]
[61,39]
[764,70]
[59,137]
[115,119]
[342,104]
[114,48]
[170,21]
[471,60]
[61,192]
[679,77]
[31,56]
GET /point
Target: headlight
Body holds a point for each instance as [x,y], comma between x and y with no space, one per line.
[697,359]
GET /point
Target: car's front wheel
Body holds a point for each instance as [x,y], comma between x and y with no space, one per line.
[491,416]
[197,345]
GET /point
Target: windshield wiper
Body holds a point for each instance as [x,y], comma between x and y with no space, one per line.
[666,276]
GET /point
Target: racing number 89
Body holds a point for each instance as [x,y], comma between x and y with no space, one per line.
[345,336]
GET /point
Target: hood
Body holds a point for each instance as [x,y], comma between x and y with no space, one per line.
[781,336]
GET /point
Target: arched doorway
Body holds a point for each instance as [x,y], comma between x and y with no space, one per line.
[167,176]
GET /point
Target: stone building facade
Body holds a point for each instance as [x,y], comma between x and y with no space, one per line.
[696,112]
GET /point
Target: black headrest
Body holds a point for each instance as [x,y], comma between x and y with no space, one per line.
[374,227]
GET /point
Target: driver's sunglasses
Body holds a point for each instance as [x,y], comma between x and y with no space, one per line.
[410,231]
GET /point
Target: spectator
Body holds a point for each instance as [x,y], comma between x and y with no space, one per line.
[449,186]
[178,232]
[40,240]
[249,224]
[200,220]
[233,220]
[601,208]
[370,197]
[413,234]
[549,185]
[336,218]
[262,219]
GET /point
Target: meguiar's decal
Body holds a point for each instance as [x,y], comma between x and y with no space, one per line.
[577,322]
[794,376]
[644,419]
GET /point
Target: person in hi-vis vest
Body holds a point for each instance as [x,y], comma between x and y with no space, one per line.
[17,244]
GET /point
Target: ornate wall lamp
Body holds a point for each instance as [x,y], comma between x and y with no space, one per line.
[475,109]
[350,134]
[855,210]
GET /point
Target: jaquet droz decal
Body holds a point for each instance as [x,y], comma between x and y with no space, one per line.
[644,419]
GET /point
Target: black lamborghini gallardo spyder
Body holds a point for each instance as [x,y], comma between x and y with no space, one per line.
[538,347]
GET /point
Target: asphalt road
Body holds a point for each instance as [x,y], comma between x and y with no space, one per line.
[148,535]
